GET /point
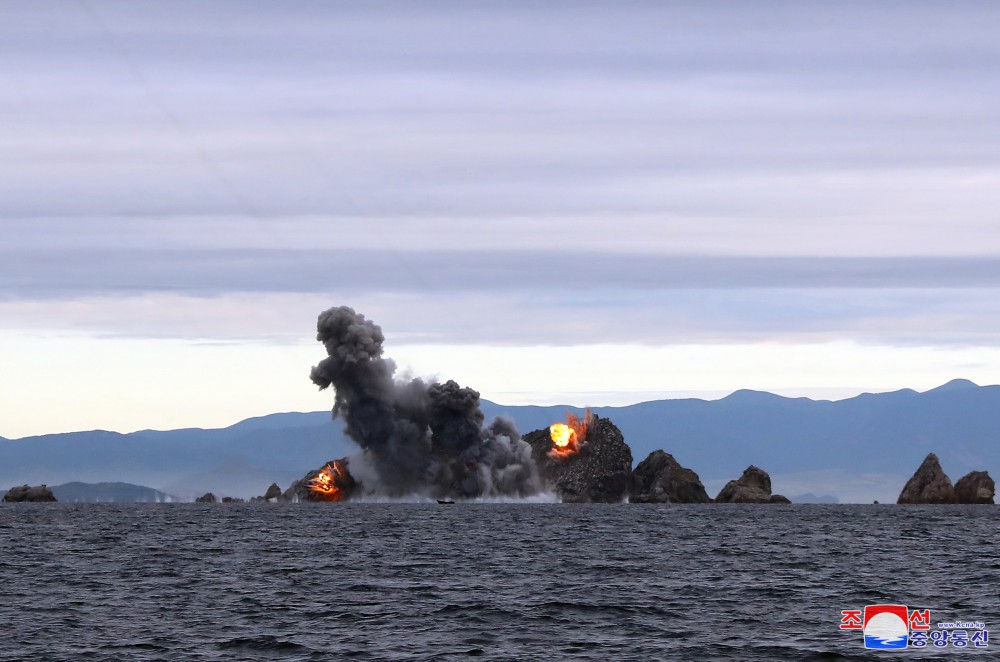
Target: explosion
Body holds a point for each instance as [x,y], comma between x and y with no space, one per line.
[328,484]
[562,434]
[415,437]
[569,437]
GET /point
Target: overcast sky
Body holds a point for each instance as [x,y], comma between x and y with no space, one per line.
[590,203]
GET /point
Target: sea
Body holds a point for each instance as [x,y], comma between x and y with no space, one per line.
[495,581]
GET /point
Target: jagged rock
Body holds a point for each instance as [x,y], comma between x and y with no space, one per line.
[928,485]
[273,492]
[207,497]
[331,482]
[601,471]
[232,500]
[754,486]
[23,493]
[975,487]
[661,479]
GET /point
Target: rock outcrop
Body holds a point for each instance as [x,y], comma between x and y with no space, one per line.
[26,493]
[207,497]
[273,492]
[928,485]
[232,500]
[331,482]
[601,471]
[975,487]
[754,486]
[661,479]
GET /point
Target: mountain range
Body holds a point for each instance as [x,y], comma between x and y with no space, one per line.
[857,449]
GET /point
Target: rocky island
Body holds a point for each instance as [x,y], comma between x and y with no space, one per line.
[332,482]
[600,471]
[930,485]
[975,487]
[661,479]
[26,493]
[754,486]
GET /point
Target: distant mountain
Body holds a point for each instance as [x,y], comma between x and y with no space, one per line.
[856,450]
[954,385]
[241,460]
[76,492]
[809,497]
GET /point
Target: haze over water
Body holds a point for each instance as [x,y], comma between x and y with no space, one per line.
[497,581]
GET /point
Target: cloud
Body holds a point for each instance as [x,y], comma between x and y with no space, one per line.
[909,317]
[687,170]
[46,274]
[811,112]
[669,235]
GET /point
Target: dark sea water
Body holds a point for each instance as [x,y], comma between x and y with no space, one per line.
[497,581]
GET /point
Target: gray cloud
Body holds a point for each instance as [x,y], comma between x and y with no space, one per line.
[694,170]
[776,110]
[936,317]
[652,234]
[48,274]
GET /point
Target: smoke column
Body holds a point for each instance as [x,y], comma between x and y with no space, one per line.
[419,437]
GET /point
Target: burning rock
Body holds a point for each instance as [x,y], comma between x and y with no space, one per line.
[567,438]
[417,437]
[598,470]
[331,483]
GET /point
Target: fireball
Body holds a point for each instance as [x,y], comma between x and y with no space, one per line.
[562,435]
[569,437]
[324,485]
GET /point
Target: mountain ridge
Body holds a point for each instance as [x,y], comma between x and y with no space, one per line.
[869,434]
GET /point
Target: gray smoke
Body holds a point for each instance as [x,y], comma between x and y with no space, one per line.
[418,437]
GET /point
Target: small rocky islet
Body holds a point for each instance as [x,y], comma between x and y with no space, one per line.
[28,493]
[930,484]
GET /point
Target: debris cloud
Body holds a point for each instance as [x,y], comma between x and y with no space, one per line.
[419,437]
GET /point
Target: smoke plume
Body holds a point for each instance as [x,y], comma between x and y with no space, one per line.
[418,437]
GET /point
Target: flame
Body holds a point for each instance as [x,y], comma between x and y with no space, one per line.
[325,484]
[562,434]
[569,437]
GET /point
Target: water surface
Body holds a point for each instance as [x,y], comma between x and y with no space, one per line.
[497,581]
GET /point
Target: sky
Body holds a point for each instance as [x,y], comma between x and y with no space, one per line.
[578,203]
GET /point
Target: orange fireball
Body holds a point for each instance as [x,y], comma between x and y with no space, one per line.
[562,435]
[324,485]
[569,437]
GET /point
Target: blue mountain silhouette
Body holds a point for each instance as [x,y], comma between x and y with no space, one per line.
[884,432]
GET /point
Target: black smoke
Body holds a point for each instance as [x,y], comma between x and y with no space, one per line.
[418,437]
